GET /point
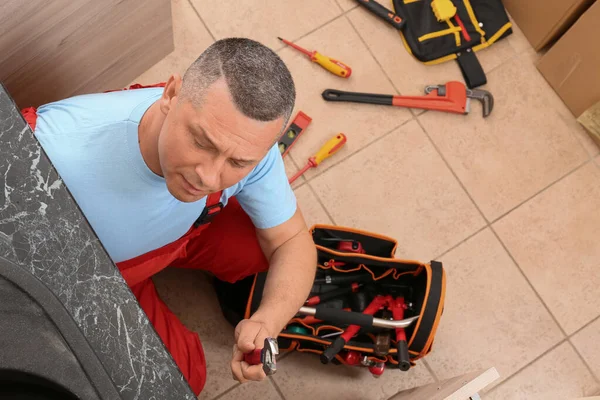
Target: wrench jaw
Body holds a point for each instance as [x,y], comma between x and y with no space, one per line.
[486,99]
[441,89]
[483,96]
[269,356]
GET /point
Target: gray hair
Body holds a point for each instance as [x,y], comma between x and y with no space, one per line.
[259,82]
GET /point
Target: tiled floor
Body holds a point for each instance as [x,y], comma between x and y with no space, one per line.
[509,204]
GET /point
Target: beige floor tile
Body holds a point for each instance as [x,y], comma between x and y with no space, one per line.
[347,4]
[409,75]
[558,375]
[302,376]
[191,39]
[517,40]
[491,317]
[554,238]
[399,186]
[253,391]
[362,123]
[518,150]
[586,342]
[311,209]
[190,296]
[264,20]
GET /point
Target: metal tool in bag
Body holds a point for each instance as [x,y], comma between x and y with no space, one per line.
[355,321]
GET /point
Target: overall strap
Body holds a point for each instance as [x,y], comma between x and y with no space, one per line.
[30,116]
[212,209]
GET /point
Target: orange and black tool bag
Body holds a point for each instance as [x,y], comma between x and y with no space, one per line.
[473,26]
[360,273]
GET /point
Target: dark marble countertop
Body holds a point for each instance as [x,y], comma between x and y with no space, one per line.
[43,231]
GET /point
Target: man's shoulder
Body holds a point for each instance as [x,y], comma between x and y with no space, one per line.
[89,111]
[267,165]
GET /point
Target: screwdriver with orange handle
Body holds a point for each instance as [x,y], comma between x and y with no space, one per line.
[334,66]
[328,149]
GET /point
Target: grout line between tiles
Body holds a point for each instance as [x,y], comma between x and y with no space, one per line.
[373,56]
[315,29]
[529,282]
[509,59]
[489,225]
[567,337]
[299,185]
[293,161]
[433,374]
[584,361]
[314,192]
[452,171]
[461,242]
[318,27]
[517,372]
[202,20]
[584,326]
[277,389]
[541,191]
[339,161]
[226,391]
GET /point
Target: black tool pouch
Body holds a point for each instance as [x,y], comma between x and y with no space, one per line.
[377,273]
[434,42]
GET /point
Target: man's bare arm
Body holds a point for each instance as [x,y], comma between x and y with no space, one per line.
[292,264]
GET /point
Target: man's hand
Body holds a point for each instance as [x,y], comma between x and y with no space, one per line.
[249,335]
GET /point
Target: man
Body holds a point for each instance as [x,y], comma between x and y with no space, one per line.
[144,164]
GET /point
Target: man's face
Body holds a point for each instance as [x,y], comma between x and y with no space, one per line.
[211,147]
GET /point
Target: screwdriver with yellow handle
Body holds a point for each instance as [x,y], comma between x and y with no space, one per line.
[328,149]
[334,66]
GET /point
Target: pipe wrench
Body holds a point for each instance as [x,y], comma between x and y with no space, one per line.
[452,97]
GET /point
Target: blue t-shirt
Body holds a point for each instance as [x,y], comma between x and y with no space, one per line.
[92,141]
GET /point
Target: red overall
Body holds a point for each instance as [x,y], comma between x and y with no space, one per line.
[226,247]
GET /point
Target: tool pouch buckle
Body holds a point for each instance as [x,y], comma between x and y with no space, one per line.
[208,214]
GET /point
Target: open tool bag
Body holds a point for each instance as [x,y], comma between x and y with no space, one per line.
[465,27]
[358,286]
